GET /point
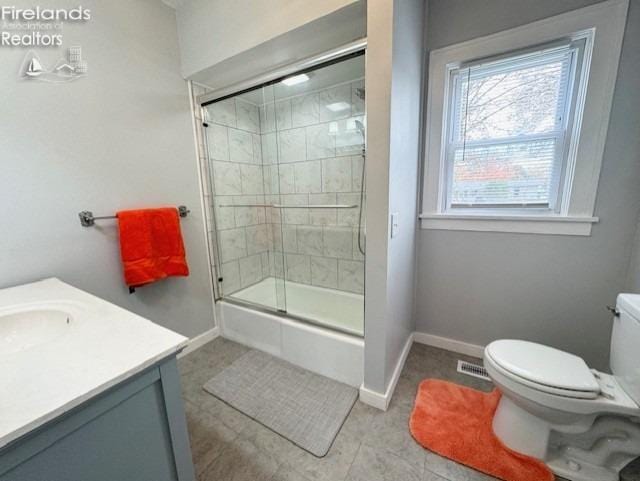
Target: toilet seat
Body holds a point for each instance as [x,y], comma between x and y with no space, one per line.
[543,368]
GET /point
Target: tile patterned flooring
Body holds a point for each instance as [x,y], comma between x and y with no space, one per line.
[372,445]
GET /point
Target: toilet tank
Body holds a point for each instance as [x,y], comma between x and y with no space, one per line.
[625,345]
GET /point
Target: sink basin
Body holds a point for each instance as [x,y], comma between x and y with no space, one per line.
[26,328]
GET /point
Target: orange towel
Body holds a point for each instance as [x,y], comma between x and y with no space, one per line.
[151,245]
[455,421]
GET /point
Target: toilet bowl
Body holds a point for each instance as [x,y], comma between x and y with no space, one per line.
[584,424]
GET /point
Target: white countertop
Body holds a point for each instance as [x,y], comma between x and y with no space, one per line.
[101,345]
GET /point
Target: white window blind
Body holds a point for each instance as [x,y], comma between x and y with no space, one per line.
[507,130]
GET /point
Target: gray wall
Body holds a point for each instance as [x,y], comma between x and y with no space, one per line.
[633,273]
[477,287]
[228,41]
[393,82]
[120,138]
[405,139]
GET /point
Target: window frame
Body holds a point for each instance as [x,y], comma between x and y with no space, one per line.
[575,50]
[595,61]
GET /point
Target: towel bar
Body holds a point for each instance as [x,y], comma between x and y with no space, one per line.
[87,219]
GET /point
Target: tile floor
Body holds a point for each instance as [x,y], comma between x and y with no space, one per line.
[372,445]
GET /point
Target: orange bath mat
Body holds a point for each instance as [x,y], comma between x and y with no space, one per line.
[455,422]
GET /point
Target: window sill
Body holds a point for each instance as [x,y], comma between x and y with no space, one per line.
[521,224]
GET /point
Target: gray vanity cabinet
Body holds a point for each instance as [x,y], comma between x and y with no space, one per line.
[135,431]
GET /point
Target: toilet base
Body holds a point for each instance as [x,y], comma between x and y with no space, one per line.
[594,449]
[520,430]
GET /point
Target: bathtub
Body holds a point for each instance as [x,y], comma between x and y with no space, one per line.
[338,310]
[310,345]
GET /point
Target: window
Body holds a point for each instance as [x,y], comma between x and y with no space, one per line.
[508,130]
[517,122]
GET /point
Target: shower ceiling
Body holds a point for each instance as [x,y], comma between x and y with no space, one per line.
[318,79]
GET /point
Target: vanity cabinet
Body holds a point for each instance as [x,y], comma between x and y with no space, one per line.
[134,431]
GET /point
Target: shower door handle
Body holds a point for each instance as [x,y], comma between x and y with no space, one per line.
[318,206]
[282,206]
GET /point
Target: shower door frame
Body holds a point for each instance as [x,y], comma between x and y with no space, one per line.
[325,59]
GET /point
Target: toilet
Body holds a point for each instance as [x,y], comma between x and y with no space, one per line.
[584,424]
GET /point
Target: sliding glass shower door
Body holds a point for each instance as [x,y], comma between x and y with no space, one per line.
[288,165]
[249,255]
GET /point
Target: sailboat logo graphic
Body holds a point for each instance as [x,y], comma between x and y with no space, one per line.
[64,70]
[34,68]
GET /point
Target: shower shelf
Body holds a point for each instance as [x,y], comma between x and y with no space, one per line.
[280,206]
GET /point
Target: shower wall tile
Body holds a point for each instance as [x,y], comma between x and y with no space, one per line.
[286,175]
[310,240]
[324,272]
[308,177]
[304,110]
[267,180]
[283,114]
[266,266]
[231,277]
[226,178]
[336,174]
[233,244]
[257,148]
[289,238]
[269,148]
[276,267]
[248,117]
[351,276]
[292,145]
[356,170]
[322,216]
[223,112]
[357,104]
[335,103]
[295,215]
[285,238]
[348,216]
[274,214]
[250,270]
[298,268]
[257,239]
[338,242]
[247,215]
[252,180]
[218,142]
[267,118]
[240,146]
[225,216]
[321,143]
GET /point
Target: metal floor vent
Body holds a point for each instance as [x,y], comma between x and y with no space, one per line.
[473,370]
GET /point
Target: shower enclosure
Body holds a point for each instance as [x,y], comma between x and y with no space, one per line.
[287,166]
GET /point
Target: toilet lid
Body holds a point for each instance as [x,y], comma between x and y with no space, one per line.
[543,365]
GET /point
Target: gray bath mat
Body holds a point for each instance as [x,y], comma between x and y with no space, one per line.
[301,406]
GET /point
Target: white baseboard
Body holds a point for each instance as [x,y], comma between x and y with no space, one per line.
[200,341]
[374,398]
[379,400]
[449,344]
